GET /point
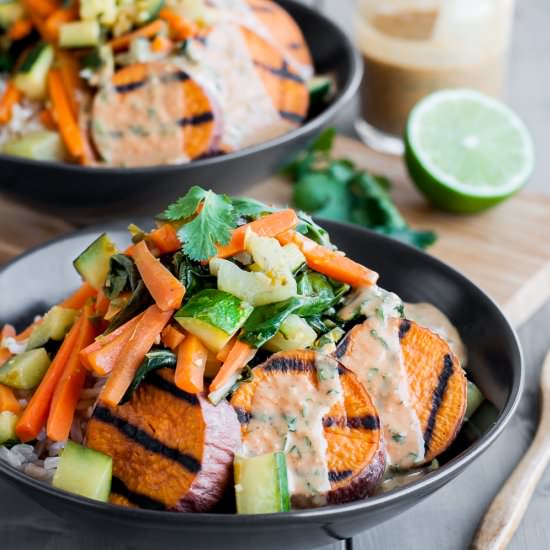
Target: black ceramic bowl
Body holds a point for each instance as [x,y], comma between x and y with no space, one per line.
[43,276]
[83,194]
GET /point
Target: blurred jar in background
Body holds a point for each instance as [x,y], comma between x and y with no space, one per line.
[414,47]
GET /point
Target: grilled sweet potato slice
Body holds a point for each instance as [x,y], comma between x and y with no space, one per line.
[171,450]
[354,454]
[438,385]
[437,382]
[284,30]
[286,87]
[153,113]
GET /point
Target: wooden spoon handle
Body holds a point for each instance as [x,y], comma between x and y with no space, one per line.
[508,508]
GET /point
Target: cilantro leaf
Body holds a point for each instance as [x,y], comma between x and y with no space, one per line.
[213,225]
[249,208]
[324,141]
[337,189]
[185,206]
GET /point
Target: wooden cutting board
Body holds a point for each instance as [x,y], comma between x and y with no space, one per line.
[506,250]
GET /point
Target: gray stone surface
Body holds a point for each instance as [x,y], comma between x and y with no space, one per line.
[447,520]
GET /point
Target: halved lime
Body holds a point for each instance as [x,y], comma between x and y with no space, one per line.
[466,151]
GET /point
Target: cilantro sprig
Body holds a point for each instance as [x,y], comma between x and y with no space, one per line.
[337,189]
[203,229]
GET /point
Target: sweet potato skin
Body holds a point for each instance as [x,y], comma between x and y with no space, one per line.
[171,450]
[222,439]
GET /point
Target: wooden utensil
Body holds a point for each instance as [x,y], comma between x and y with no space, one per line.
[507,509]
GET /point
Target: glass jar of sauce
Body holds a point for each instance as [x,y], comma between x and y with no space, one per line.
[414,47]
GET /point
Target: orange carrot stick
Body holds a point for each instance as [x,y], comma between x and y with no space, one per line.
[56,19]
[8,401]
[146,332]
[268,226]
[240,354]
[69,67]
[165,238]
[5,354]
[101,355]
[180,28]
[79,297]
[102,303]
[161,45]
[166,290]
[41,8]
[20,29]
[192,355]
[9,98]
[329,262]
[147,31]
[34,416]
[224,352]
[61,106]
[70,385]
[46,119]
[171,337]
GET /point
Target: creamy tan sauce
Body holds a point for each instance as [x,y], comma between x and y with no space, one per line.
[433,318]
[408,54]
[225,69]
[376,358]
[239,12]
[140,128]
[287,415]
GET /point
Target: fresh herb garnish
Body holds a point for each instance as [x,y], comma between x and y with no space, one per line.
[400,310]
[376,336]
[294,449]
[291,422]
[337,189]
[211,225]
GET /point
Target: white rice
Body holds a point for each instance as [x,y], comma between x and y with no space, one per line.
[23,118]
[12,344]
[41,460]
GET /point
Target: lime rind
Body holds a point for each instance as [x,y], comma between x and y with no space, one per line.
[467,151]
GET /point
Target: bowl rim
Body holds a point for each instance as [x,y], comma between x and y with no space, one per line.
[347,91]
[419,487]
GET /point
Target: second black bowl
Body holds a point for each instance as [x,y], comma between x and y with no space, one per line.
[83,194]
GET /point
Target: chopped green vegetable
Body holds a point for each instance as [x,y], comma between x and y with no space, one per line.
[261,484]
[84,472]
[338,190]
[265,321]
[475,399]
[193,275]
[138,302]
[8,421]
[54,326]
[26,370]
[321,292]
[213,316]
[154,360]
[123,275]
